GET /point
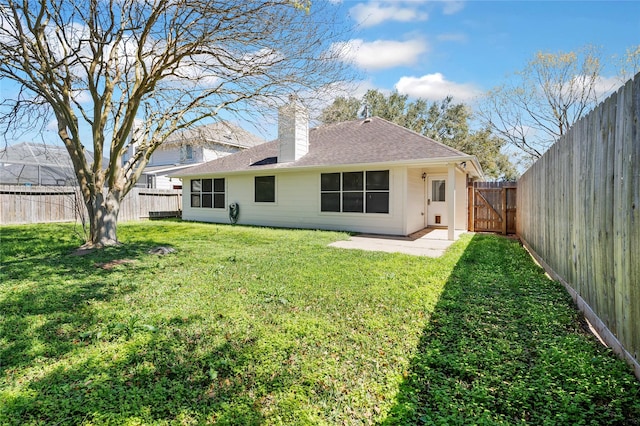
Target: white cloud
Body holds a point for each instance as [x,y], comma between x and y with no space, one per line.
[82,96]
[380,54]
[435,87]
[52,126]
[452,6]
[605,86]
[376,12]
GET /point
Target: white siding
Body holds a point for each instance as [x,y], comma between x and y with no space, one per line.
[217,151]
[165,182]
[415,200]
[298,205]
[172,155]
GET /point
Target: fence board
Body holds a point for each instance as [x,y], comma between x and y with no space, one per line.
[578,209]
[42,204]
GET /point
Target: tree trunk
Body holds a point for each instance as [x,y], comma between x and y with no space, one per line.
[103,211]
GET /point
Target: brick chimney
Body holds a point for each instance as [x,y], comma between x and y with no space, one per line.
[293,131]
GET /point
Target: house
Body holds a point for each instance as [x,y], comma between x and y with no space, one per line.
[366,175]
[28,163]
[190,147]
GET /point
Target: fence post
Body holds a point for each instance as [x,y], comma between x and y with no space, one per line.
[503,196]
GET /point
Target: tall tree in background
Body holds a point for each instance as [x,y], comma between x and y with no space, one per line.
[545,99]
[342,109]
[442,121]
[156,65]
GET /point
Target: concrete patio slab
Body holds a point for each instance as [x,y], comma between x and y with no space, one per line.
[428,242]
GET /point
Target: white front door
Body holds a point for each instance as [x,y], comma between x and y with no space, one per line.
[437,201]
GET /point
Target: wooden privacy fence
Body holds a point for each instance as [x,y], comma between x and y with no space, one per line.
[579,212]
[39,204]
[492,207]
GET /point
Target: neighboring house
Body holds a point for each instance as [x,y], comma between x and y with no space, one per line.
[29,163]
[191,147]
[367,175]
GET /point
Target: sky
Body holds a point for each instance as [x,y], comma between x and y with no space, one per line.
[431,49]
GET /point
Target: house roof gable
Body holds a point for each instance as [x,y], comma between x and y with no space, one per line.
[220,132]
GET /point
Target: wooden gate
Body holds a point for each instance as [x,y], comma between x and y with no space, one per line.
[492,207]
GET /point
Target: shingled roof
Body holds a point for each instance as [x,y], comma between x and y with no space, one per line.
[220,132]
[369,141]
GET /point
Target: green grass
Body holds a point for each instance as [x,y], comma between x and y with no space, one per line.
[256,326]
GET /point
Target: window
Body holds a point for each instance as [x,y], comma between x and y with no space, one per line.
[265,189]
[355,192]
[438,190]
[330,192]
[378,192]
[208,193]
[186,153]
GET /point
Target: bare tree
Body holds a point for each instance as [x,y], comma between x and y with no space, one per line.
[544,100]
[153,66]
[630,64]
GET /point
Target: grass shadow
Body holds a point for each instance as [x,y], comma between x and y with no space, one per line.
[48,294]
[506,345]
[125,386]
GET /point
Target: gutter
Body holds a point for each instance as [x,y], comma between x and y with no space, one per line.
[445,161]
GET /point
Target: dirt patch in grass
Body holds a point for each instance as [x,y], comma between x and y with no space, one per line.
[112,264]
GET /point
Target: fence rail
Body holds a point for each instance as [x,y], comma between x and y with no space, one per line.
[41,204]
[579,211]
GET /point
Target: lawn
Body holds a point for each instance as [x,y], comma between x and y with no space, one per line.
[253,326]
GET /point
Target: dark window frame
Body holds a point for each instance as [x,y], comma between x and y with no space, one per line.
[264,189]
[208,193]
[366,192]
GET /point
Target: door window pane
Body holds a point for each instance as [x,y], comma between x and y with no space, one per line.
[438,190]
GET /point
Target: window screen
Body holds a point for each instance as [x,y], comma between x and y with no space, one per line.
[208,193]
[265,189]
[355,192]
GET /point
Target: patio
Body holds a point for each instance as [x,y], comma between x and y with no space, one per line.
[431,242]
